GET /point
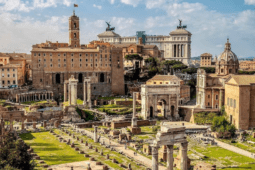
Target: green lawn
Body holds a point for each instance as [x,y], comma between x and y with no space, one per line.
[221,157]
[120,158]
[50,149]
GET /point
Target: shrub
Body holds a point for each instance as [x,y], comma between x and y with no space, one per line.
[223,127]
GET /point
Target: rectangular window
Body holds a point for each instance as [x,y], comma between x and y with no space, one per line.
[64,65]
[13,70]
[80,55]
[13,75]
[91,55]
[8,69]
[86,59]
[51,60]
[39,54]
[231,104]
[50,54]
[9,82]
[96,55]
[72,54]
[45,65]
[80,65]
[86,55]
[64,54]
[58,65]
[58,60]
[234,103]
[154,82]
[44,54]
[34,54]
[3,82]
[14,82]
[72,59]
[80,59]
[216,97]
[8,75]
[2,69]
[2,74]
[44,60]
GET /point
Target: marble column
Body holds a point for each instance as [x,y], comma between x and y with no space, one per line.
[95,134]
[154,150]
[52,95]
[134,119]
[65,92]
[184,159]
[89,92]
[170,158]
[69,94]
[84,92]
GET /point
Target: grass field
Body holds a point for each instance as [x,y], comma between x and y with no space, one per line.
[50,149]
[222,158]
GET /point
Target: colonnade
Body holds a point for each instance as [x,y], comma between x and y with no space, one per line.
[34,96]
[71,94]
[178,50]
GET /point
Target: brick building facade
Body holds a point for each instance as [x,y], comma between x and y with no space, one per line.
[53,63]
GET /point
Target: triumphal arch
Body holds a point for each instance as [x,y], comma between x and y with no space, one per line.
[162,91]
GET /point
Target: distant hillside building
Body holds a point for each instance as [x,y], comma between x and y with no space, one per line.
[12,70]
[53,63]
[175,46]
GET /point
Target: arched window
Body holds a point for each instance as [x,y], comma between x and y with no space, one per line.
[74,25]
[57,78]
[102,77]
[80,78]
[74,35]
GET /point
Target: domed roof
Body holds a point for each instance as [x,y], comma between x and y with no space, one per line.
[180,31]
[227,54]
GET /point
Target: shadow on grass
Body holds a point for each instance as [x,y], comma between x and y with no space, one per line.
[27,136]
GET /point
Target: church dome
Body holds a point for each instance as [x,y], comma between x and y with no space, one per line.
[228,55]
[227,62]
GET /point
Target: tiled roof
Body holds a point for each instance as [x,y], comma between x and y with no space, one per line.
[242,79]
[64,50]
[164,77]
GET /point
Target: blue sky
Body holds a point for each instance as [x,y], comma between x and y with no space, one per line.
[27,22]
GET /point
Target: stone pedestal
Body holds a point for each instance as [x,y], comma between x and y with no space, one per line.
[135,130]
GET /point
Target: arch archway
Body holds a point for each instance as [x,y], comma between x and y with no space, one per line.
[151,112]
[57,78]
[102,77]
[80,77]
[162,103]
[172,111]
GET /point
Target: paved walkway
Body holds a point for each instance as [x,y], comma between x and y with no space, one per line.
[77,166]
[121,147]
[231,148]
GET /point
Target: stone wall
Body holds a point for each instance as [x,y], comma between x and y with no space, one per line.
[11,93]
[122,124]
[88,124]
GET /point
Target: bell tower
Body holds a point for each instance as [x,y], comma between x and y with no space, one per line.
[74,31]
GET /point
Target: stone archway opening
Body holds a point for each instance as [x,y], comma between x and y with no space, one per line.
[162,106]
[80,78]
[172,111]
[151,112]
[102,77]
[58,78]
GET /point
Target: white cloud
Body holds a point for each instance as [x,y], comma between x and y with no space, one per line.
[112,1]
[134,3]
[97,6]
[19,5]
[249,2]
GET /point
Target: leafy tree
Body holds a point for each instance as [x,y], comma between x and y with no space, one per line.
[221,125]
[133,57]
[208,69]
[189,70]
[13,153]
[169,63]
[179,66]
